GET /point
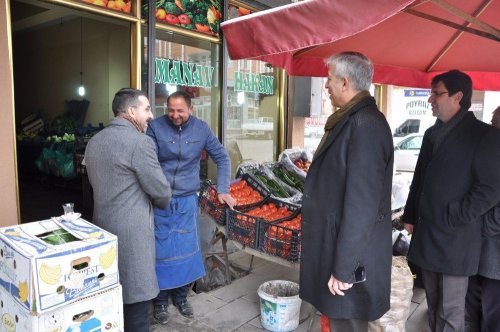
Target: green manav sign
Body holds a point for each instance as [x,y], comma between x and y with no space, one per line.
[183,73]
[248,82]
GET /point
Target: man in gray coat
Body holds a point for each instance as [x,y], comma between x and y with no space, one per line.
[127,182]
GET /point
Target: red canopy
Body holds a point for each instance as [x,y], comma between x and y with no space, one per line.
[409,41]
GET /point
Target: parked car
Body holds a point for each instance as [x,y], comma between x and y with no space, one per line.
[314,131]
[406,153]
[412,126]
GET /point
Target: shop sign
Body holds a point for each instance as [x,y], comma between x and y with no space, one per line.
[416,102]
[249,82]
[183,73]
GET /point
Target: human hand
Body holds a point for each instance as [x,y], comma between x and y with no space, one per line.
[336,286]
[409,228]
[226,199]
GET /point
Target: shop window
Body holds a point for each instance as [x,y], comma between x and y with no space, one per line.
[251,118]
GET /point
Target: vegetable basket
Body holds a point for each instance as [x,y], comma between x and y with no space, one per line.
[281,239]
[243,226]
[247,195]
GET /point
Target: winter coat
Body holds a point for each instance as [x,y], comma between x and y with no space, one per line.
[346,216]
[489,263]
[450,190]
[126,177]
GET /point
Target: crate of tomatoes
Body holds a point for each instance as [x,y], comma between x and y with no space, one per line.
[243,226]
[281,238]
[246,191]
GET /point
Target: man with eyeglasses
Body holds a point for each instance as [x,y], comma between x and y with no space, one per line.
[456,181]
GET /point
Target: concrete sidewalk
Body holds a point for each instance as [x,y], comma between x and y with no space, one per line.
[236,307]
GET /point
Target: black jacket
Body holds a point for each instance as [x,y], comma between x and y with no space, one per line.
[346,213]
[449,192]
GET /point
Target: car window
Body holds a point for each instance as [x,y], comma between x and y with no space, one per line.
[413,143]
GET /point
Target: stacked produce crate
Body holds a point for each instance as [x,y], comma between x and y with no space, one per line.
[59,275]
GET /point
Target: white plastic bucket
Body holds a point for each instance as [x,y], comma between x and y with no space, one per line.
[279,305]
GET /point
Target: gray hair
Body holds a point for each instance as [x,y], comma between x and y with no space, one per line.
[354,66]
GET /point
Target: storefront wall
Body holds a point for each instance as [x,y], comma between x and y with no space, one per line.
[112,51]
[8,177]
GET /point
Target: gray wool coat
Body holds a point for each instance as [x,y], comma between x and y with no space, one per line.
[127,181]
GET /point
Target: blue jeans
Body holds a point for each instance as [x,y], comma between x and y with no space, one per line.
[178,295]
[136,316]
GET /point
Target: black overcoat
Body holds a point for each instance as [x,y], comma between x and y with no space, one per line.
[346,213]
[451,189]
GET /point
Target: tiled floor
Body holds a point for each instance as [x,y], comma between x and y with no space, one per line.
[235,307]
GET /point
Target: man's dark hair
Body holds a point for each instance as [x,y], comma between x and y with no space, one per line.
[183,94]
[125,98]
[454,81]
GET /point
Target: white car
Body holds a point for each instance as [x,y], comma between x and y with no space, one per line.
[406,153]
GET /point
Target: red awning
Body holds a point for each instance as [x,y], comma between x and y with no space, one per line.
[409,41]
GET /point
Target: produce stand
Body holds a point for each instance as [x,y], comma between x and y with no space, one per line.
[266,221]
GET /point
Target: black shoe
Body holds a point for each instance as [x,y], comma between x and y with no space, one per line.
[160,313]
[185,309]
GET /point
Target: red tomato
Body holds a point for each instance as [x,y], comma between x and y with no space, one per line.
[171,19]
[184,19]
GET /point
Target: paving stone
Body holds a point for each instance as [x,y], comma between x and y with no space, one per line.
[247,285]
[418,321]
[232,316]
[418,295]
[204,302]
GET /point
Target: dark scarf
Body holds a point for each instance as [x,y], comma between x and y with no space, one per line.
[339,115]
[130,119]
[441,129]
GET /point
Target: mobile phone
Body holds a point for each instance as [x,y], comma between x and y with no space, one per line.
[359,275]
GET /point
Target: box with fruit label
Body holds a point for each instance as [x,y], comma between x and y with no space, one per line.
[102,311]
[48,263]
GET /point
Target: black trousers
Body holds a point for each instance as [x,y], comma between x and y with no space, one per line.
[348,325]
[178,295]
[482,304]
[136,316]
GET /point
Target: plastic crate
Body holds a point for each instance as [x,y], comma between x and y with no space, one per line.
[210,205]
[244,228]
[281,241]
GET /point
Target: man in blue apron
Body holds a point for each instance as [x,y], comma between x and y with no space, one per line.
[180,140]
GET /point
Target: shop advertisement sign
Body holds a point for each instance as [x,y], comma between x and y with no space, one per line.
[118,5]
[248,82]
[237,11]
[416,103]
[177,72]
[201,15]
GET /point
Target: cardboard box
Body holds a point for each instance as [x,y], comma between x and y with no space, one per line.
[102,311]
[43,276]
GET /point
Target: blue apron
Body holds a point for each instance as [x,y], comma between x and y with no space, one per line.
[179,259]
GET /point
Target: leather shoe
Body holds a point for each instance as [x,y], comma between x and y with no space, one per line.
[185,309]
[160,313]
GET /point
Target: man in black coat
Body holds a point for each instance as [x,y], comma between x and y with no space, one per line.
[481,303]
[456,181]
[346,208]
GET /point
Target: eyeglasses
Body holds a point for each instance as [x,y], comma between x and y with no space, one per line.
[437,94]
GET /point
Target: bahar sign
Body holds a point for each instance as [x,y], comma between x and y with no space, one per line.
[183,73]
[249,82]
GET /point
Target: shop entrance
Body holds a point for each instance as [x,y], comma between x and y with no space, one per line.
[57,49]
